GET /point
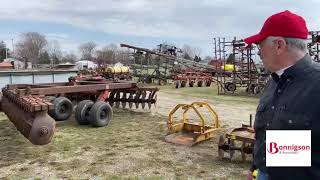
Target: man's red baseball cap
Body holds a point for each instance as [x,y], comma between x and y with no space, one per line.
[284,24]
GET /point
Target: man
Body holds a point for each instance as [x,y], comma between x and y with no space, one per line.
[291,99]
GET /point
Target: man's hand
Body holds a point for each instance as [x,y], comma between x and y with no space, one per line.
[249,175]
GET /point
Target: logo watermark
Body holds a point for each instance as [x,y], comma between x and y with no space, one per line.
[274,148]
[288,148]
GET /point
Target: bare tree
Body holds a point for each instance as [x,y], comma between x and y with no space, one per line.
[123,56]
[54,51]
[107,55]
[207,58]
[113,49]
[69,57]
[190,52]
[187,52]
[87,50]
[4,51]
[103,57]
[30,46]
[197,51]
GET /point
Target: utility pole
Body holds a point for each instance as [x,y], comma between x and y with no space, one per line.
[6,51]
[12,43]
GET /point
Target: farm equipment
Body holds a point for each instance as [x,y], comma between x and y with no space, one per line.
[111,73]
[33,108]
[241,70]
[190,132]
[167,59]
[230,141]
[116,73]
[192,78]
[314,45]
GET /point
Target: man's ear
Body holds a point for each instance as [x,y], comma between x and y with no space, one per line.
[281,46]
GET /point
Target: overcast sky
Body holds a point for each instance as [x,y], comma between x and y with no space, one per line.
[145,23]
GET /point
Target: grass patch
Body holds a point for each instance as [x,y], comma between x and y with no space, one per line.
[210,93]
[130,147]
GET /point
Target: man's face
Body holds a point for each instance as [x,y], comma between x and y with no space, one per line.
[266,53]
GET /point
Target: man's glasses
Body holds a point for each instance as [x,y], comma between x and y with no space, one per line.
[273,41]
[258,46]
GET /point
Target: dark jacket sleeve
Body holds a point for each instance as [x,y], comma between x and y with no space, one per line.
[315,135]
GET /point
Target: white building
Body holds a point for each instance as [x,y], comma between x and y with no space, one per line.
[84,64]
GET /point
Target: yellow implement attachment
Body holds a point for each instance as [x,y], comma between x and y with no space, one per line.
[189,133]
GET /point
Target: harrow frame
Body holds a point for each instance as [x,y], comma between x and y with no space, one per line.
[28,105]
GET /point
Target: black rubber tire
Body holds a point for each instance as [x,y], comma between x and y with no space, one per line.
[62,110]
[82,112]
[49,98]
[177,84]
[208,83]
[226,85]
[231,152]
[251,88]
[100,114]
[199,83]
[191,83]
[256,90]
[183,84]
[221,142]
[231,87]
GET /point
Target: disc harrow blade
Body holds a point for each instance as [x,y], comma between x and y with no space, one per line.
[130,100]
[111,98]
[136,99]
[143,97]
[117,100]
[124,99]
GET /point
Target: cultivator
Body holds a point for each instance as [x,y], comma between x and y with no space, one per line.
[239,70]
[192,78]
[237,139]
[168,58]
[190,132]
[33,108]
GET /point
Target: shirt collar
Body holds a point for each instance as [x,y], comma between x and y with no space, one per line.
[295,70]
[298,69]
[280,72]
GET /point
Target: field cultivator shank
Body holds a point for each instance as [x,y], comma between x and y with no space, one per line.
[192,78]
[33,108]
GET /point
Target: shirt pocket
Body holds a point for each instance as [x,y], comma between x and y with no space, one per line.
[260,116]
[296,121]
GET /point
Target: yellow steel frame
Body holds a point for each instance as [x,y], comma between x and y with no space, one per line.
[202,129]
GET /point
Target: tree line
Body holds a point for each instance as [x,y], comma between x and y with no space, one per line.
[35,48]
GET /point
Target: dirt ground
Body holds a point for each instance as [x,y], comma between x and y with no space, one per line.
[131,147]
[233,111]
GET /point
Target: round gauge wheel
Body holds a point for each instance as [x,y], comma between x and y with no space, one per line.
[231,87]
[231,152]
[221,142]
[243,154]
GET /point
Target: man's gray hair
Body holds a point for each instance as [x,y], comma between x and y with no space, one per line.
[293,43]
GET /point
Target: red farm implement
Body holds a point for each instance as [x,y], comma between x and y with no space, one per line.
[34,108]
